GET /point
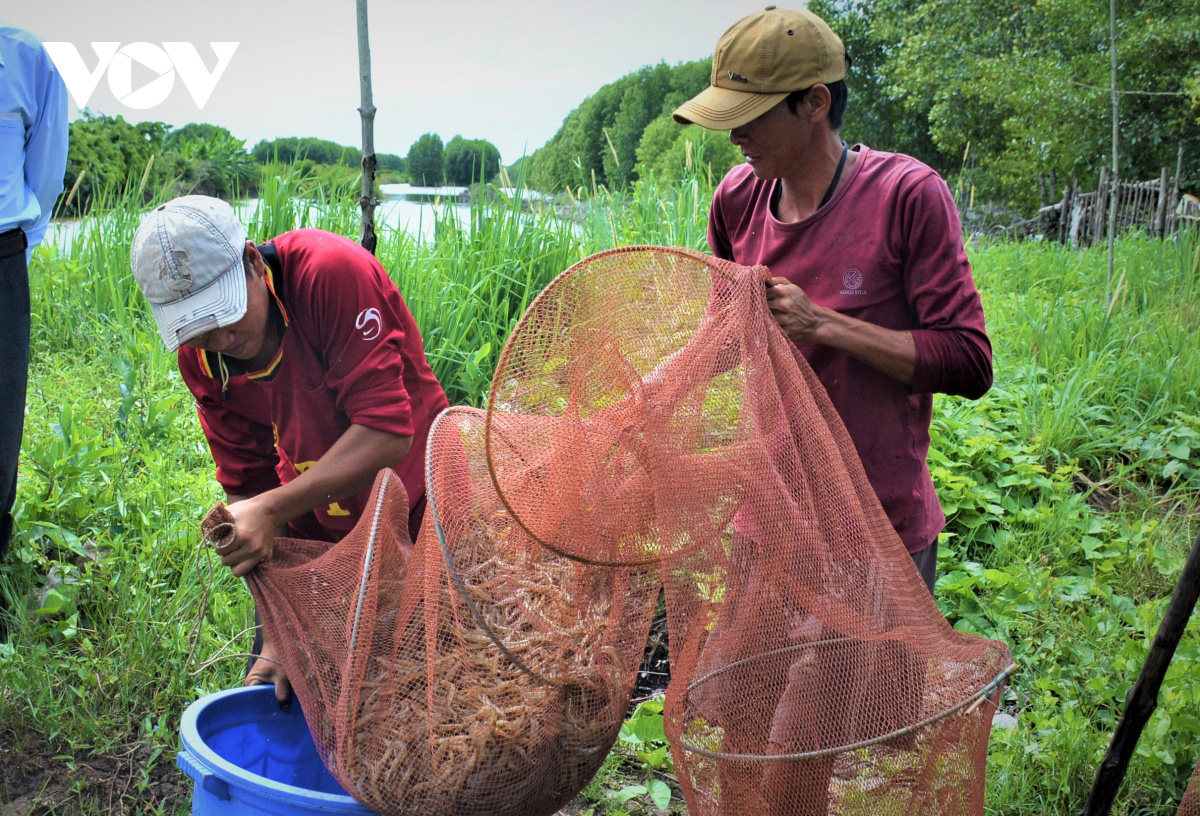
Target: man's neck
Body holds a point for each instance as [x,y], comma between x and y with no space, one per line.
[803,187]
[274,338]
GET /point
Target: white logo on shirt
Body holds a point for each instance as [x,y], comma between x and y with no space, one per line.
[370,322]
[852,279]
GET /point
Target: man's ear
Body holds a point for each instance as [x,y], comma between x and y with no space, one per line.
[253,261]
[818,100]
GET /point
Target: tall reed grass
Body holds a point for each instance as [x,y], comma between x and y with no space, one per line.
[1069,488]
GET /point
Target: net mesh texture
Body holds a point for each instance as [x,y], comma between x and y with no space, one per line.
[648,426]
[1190,805]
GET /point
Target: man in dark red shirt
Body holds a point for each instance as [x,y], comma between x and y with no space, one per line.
[308,371]
[871,279]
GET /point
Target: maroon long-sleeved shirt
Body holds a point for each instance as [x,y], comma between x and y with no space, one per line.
[886,249]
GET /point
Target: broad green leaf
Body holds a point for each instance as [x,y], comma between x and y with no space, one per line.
[660,793]
[628,792]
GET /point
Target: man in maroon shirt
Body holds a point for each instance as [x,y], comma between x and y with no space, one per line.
[871,280]
[308,371]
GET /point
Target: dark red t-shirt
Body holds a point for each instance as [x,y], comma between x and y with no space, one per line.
[886,249]
[351,354]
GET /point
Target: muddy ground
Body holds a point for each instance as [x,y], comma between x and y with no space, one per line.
[39,780]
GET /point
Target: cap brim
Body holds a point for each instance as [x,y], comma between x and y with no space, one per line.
[724,109]
[221,303]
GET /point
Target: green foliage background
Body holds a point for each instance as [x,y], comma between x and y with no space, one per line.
[468,161]
[426,161]
[989,91]
[624,132]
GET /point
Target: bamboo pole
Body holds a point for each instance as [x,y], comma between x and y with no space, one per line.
[367,111]
[1116,126]
[1142,698]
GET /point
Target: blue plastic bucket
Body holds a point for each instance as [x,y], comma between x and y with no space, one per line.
[248,757]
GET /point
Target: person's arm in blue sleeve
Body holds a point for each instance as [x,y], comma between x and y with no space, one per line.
[46,150]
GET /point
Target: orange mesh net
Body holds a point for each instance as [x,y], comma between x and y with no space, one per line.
[648,426]
[1190,804]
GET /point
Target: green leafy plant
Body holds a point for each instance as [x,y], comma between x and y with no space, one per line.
[642,745]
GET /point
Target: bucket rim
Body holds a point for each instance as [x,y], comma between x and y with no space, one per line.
[222,768]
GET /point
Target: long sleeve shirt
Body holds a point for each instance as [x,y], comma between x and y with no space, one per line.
[886,249]
[33,135]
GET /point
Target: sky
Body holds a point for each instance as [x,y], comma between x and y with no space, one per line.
[508,72]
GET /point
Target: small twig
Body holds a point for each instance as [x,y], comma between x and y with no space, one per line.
[216,658]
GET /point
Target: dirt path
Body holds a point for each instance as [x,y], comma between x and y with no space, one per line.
[36,780]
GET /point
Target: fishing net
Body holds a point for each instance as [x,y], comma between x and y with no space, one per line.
[1190,805]
[475,673]
[648,425]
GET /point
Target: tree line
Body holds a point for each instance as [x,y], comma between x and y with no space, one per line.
[109,157]
[988,92]
[290,149]
[624,132]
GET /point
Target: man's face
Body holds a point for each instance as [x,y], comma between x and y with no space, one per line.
[773,142]
[245,339]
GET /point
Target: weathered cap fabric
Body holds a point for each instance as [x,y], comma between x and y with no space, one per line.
[759,61]
[187,259]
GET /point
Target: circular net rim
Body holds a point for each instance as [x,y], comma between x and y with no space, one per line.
[971,702]
[501,364]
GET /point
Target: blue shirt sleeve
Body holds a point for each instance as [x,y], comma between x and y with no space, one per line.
[32,167]
[46,149]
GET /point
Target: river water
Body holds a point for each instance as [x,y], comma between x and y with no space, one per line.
[402,207]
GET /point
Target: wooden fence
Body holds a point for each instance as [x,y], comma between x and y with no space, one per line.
[1081,219]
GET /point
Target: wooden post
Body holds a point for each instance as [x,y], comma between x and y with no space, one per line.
[1075,224]
[1173,201]
[1064,216]
[367,111]
[1142,698]
[1043,216]
[1160,215]
[1099,208]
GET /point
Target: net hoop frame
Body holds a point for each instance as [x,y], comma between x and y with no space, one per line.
[549,291]
[389,475]
[972,700]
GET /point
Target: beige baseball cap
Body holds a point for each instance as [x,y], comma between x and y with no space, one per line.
[759,61]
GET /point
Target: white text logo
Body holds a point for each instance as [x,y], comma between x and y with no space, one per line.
[369,321]
[852,279]
[118,60]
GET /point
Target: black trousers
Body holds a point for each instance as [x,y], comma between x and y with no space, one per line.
[14,377]
[926,561]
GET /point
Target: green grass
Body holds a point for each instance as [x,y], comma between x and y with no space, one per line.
[1071,487]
